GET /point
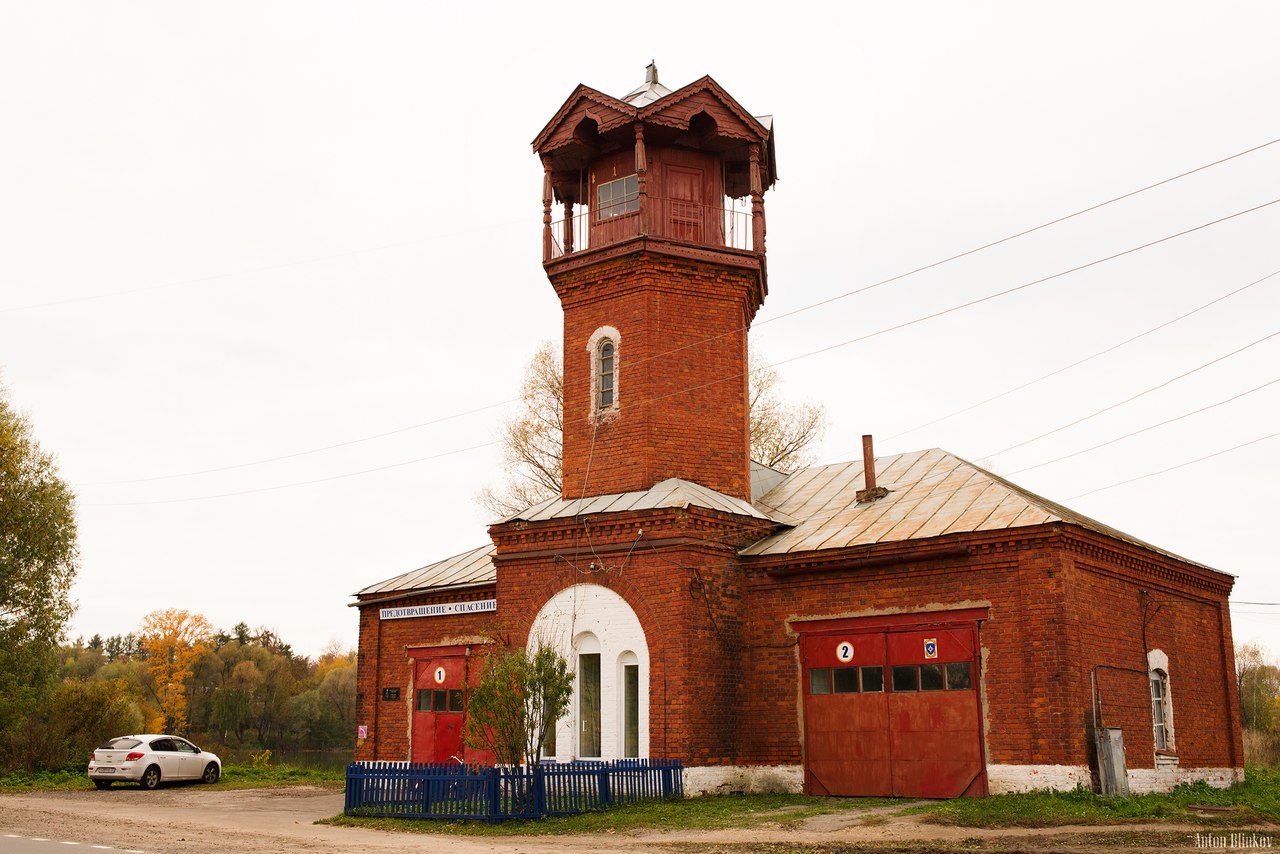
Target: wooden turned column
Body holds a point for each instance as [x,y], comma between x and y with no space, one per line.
[757,202]
[547,240]
[642,181]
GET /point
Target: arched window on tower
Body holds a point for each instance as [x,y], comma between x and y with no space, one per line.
[603,350]
[607,356]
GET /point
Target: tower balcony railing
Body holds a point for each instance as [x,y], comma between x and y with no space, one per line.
[713,226]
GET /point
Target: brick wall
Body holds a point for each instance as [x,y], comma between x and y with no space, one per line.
[682,388]
[724,680]
[1052,620]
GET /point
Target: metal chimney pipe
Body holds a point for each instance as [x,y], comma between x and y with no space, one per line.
[868,463]
[871,492]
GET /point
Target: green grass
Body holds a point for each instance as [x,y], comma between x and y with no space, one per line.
[255,777]
[706,813]
[233,777]
[24,781]
[1257,800]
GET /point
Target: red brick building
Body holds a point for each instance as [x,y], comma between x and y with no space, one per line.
[916,626]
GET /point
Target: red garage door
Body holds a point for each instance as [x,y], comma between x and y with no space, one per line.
[439,703]
[892,708]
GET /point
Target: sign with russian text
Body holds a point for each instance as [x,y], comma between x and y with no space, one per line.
[439,610]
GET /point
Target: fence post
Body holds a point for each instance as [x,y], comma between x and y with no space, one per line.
[605,797]
[353,787]
[667,782]
[539,791]
[492,778]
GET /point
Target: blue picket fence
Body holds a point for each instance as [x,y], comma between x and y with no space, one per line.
[451,791]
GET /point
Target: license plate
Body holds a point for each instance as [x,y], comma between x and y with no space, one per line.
[105,770]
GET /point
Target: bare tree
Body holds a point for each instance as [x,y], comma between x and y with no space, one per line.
[784,436]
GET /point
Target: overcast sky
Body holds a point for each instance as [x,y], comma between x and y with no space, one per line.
[241,231]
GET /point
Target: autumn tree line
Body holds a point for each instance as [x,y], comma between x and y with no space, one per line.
[240,689]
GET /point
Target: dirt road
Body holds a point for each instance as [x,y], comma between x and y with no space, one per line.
[269,821]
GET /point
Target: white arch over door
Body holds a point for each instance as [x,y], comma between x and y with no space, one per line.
[591,619]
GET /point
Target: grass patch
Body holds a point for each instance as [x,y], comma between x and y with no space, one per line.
[705,813]
[1257,800]
[68,779]
[233,777]
[257,776]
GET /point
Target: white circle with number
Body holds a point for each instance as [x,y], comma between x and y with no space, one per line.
[844,651]
[439,675]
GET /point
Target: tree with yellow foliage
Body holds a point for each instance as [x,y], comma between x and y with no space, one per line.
[173,640]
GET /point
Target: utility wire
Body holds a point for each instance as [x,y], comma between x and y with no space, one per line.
[844,343]
[974,302]
[1174,468]
[1134,397]
[699,342]
[1079,362]
[964,254]
[305,453]
[295,483]
[1145,429]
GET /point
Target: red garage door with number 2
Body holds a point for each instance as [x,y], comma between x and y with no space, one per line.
[892,708]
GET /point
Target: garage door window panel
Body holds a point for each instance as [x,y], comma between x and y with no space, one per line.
[904,678]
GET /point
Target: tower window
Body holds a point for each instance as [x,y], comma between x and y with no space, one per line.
[605,373]
[615,198]
[602,350]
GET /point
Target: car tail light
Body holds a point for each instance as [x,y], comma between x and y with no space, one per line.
[93,757]
[134,757]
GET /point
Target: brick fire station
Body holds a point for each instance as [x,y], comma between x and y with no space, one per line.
[907,625]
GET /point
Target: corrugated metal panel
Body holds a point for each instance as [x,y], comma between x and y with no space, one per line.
[473,567]
[931,493]
[672,492]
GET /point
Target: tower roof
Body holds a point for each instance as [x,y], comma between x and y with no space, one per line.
[591,123]
[649,91]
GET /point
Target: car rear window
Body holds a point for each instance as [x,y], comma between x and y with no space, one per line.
[120,744]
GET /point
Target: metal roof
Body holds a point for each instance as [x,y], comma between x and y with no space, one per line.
[464,570]
[648,92]
[672,492]
[931,493]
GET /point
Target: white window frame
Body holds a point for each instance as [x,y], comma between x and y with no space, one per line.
[1158,670]
[594,345]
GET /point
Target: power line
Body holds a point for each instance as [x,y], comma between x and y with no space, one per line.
[1174,468]
[1088,358]
[820,350]
[699,342]
[295,483]
[1134,397]
[1145,429]
[307,452]
[977,301]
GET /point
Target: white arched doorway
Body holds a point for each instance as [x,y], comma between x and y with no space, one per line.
[598,632]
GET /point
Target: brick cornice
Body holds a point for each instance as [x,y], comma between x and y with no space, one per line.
[1113,555]
[724,531]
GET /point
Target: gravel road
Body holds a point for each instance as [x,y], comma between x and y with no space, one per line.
[180,820]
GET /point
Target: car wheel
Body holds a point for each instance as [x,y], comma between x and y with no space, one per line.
[150,778]
[102,784]
[211,773]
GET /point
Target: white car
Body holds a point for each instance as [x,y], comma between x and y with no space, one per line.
[148,759]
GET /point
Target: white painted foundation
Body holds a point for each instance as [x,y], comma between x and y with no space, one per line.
[1006,779]
[1145,780]
[1001,779]
[726,779]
